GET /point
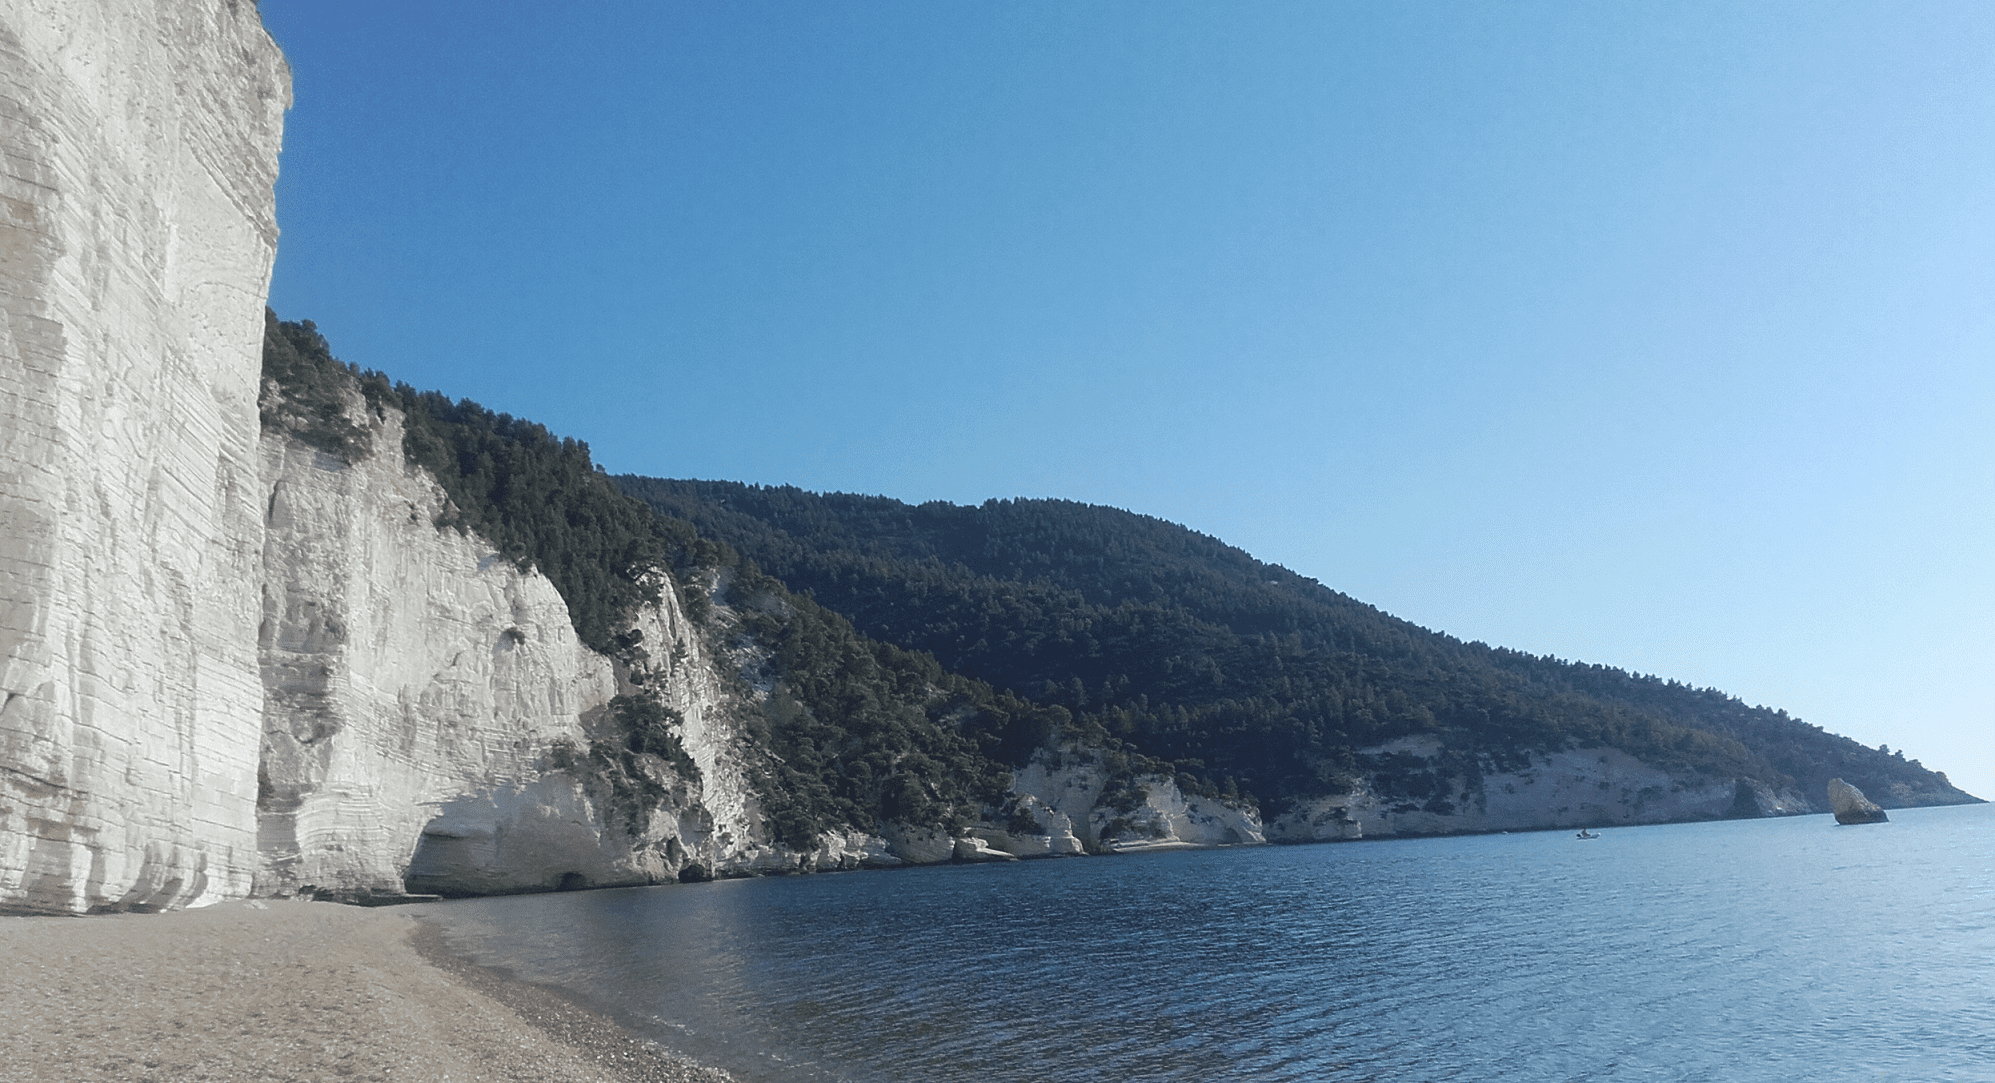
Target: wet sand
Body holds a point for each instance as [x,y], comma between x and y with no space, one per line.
[292,991]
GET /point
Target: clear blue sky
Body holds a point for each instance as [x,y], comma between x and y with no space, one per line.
[1658,335]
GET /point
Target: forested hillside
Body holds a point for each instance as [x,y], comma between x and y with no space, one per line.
[1246,675]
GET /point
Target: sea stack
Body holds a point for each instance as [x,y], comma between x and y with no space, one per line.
[1851,806]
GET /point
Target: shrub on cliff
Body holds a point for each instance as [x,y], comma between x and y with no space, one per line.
[306,392]
[651,728]
[536,497]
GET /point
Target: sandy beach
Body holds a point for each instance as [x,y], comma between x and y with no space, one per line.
[292,991]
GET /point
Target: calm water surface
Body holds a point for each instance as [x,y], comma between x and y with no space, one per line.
[1744,951]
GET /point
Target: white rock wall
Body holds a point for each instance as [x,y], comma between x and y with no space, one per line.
[418,686]
[1168,817]
[406,667]
[1066,801]
[1593,787]
[730,830]
[1063,788]
[1577,787]
[138,149]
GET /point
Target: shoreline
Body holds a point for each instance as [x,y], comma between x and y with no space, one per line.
[254,990]
[627,1056]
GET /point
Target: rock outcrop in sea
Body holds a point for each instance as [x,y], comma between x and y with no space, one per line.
[1851,806]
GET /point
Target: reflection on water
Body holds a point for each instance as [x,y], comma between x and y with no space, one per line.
[1758,950]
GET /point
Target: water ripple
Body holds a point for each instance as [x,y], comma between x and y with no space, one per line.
[1741,952]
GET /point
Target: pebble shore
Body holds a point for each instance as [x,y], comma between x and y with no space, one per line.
[275,990]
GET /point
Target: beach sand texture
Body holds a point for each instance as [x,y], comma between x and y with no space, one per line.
[286,990]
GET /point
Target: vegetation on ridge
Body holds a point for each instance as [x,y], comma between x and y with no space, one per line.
[1242,673]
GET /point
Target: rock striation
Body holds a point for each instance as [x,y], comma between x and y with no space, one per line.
[137,229]
[1851,806]
[429,707]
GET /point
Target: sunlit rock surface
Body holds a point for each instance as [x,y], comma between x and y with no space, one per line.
[1052,836]
[1851,806]
[138,149]
[430,709]
[1068,794]
[1166,816]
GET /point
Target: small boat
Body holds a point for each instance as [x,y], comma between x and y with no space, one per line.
[1585,834]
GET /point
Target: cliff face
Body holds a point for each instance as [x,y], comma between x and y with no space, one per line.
[1071,798]
[430,710]
[1590,787]
[137,230]
[229,662]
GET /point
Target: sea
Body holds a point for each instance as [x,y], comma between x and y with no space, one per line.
[1734,952]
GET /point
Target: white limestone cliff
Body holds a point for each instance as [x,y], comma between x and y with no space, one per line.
[229,662]
[138,153]
[430,709]
[1066,792]
[428,703]
[1060,790]
[1570,788]
[1166,816]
